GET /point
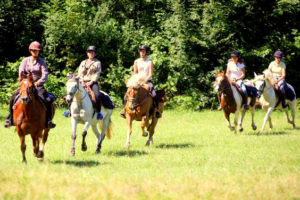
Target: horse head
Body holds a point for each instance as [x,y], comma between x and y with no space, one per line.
[262,81]
[26,87]
[136,88]
[221,82]
[72,87]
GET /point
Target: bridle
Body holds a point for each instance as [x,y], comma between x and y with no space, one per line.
[261,89]
[29,91]
[73,92]
[135,99]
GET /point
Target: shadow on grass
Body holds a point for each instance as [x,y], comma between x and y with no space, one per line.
[266,133]
[129,153]
[175,146]
[77,163]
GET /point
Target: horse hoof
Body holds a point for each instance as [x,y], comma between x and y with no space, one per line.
[98,151]
[254,127]
[24,162]
[127,146]
[145,134]
[72,153]
[241,130]
[40,154]
[83,147]
[40,159]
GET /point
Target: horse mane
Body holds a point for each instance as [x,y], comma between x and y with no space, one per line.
[268,76]
[137,80]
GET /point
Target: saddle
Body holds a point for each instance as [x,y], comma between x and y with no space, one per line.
[104,99]
[249,91]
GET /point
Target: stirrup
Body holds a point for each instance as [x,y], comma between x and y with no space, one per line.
[50,124]
[7,123]
[99,115]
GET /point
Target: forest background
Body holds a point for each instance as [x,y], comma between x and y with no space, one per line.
[190,41]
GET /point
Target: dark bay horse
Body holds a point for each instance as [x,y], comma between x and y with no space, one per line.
[139,107]
[231,101]
[30,117]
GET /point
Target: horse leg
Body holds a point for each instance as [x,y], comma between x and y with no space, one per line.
[96,132]
[23,145]
[151,131]
[34,145]
[293,111]
[145,122]
[74,127]
[252,109]
[227,116]
[105,126]
[44,140]
[236,118]
[268,114]
[243,111]
[270,123]
[84,133]
[129,130]
[286,110]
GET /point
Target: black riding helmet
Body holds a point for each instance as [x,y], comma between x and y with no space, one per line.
[91,48]
[145,47]
[235,54]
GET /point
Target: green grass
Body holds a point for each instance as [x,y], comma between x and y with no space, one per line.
[194,156]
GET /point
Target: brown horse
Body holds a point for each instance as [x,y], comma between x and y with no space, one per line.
[30,117]
[231,101]
[139,107]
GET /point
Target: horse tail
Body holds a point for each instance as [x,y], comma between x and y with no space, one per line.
[108,129]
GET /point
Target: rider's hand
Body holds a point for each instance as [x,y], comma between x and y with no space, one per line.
[36,84]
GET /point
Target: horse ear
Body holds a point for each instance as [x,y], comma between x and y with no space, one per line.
[69,76]
[255,75]
[30,76]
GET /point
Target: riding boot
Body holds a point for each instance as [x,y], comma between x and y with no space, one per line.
[98,108]
[49,123]
[9,119]
[244,100]
[219,98]
[155,103]
[282,96]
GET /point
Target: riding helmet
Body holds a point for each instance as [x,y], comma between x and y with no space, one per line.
[91,48]
[35,46]
[235,54]
[278,54]
[145,47]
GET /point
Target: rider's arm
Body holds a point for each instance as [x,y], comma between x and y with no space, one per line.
[44,76]
[96,75]
[283,74]
[135,68]
[150,71]
[227,71]
[243,74]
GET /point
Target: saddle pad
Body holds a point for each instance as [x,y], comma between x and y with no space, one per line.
[251,91]
[106,100]
[290,92]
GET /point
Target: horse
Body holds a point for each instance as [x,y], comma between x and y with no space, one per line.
[231,102]
[269,100]
[82,111]
[139,107]
[29,116]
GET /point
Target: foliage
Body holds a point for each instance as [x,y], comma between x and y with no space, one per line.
[189,39]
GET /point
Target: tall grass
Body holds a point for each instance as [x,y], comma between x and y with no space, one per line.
[194,156]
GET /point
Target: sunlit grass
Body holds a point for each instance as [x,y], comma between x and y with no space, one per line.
[194,156]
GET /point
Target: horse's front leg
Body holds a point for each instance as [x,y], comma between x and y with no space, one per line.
[151,129]
[129,130]
[243,112]
[96,132]
[44,140]
[145,123]
[236,118]
[252,109]
[227,116]
[268,114]
[84,133]
[74,127]
[23,145]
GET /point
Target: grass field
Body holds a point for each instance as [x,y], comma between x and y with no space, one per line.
[194,156]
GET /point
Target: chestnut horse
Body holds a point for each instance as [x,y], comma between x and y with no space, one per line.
[231,101]
[139,107]
[30,117]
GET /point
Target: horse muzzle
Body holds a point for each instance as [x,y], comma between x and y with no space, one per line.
[69,98]
[132,107]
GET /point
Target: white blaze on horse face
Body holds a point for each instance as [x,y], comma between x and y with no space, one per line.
[217,83]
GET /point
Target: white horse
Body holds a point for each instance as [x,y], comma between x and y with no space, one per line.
[268,98]
[82,111]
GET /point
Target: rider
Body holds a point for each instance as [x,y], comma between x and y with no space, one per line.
[145,65]
[236,73]
[89,72]
[278,69]
[39,70]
